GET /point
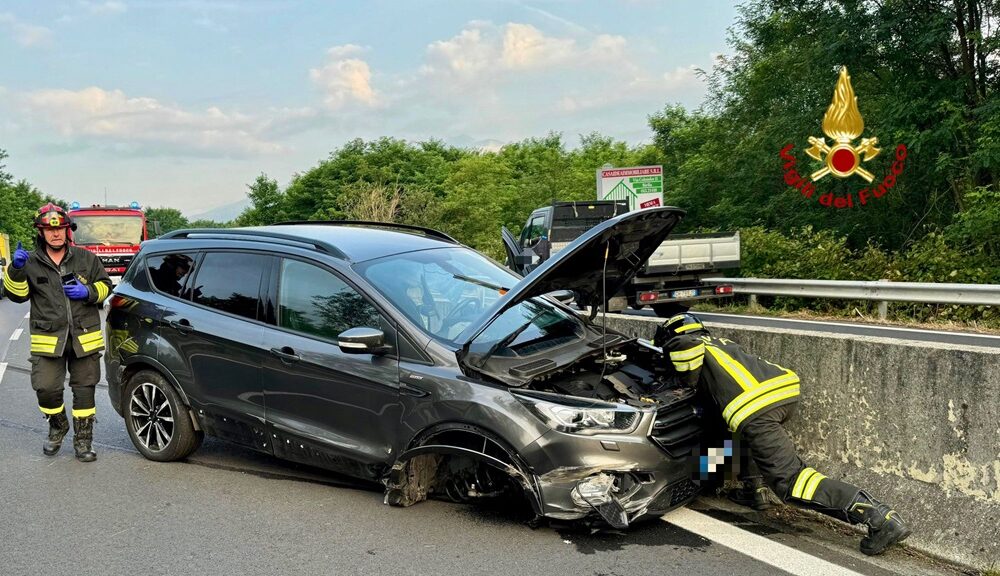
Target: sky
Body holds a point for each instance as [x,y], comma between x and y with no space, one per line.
[182,103]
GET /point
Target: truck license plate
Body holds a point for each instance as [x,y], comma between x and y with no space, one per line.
[684,293]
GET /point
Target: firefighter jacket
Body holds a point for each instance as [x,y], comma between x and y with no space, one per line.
[55,319]
[743,385]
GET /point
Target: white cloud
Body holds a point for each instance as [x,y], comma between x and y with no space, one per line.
[484,49]
[115,119]
[27,35]
[345,80]
[108,7]
[525,47]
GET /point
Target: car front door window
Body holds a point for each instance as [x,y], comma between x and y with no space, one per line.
[315,302]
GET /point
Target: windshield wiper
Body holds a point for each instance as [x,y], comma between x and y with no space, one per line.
[479,282]
[510,337]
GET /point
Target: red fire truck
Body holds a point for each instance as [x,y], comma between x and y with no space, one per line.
[113,233]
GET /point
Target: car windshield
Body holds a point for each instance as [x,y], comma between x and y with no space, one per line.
[445,290]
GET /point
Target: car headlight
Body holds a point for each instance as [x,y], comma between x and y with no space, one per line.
[580,415]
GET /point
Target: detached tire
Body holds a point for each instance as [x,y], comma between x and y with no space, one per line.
[157,420]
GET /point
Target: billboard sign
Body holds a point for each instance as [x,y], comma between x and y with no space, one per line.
[642,186]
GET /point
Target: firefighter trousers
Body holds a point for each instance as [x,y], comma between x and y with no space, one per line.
[775,456]
[49,374]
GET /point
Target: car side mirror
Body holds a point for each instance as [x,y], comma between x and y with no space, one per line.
[362,340]
[562,296]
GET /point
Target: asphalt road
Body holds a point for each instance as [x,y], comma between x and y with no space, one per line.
[226,510]
[854,328]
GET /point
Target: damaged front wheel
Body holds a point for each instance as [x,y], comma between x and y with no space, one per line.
[461,464]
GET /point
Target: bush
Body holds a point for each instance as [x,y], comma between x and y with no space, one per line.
[808,254]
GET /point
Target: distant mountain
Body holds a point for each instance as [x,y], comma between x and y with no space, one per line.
[223,213]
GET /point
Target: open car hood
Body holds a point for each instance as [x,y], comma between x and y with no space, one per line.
[625,241]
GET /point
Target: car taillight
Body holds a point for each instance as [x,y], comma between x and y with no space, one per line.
[724,289]
[648,296]
[118,301]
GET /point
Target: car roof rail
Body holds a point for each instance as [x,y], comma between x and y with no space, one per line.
[372,224]
[254,235]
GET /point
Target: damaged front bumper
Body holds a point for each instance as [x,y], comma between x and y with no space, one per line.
[617,478]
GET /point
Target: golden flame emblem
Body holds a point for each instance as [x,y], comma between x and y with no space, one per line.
[843,123]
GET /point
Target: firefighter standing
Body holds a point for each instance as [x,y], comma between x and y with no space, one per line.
[66,286]
[756,397]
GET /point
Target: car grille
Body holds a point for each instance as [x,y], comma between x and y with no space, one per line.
[675,495]
[677,429]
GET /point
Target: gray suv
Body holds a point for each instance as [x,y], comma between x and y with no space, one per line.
[396,354]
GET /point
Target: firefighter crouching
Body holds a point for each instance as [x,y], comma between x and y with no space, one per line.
[756,398]
[66,286]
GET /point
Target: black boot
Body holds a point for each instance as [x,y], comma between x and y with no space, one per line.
[752,494]
[58,427]
[885,526]
[83,435]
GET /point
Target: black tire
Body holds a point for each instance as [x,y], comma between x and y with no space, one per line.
[157,419]
[669,309]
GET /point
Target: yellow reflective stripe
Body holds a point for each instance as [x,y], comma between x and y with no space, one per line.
[688,327]
[765,387]
[800,483]
[688,354]
[765,401]
[688,366]
[811,486]
[44,349]
[102,291]
[14,287]
[89,337]
[733,368]
[97,344]
[675,318]
[43,339]
[83,413]
[51,411]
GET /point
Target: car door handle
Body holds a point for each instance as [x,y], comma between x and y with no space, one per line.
[182,326]
[409,390]
[286,354]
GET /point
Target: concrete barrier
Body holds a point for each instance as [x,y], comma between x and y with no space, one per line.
[916,423]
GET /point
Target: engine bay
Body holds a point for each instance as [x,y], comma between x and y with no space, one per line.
[632,372]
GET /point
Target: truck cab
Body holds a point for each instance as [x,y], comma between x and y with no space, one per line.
[112,233]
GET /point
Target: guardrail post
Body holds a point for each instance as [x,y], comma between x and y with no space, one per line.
[753,300]
[883,306]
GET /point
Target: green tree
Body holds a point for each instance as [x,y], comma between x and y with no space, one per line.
[210,224]
[926,74]
[266,203]
[316,193]
[168,219]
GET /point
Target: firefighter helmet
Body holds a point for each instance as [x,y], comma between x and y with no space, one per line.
[677,324]
[52,216]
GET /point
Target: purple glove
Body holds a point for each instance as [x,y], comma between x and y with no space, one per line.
[20,257]
[76,291]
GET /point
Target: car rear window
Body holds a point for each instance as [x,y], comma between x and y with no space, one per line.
[230,282]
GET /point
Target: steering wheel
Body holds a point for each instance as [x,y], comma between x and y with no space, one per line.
[458,312]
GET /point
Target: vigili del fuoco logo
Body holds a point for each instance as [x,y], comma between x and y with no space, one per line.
[843,124]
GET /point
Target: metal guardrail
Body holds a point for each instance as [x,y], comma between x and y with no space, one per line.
[882,290]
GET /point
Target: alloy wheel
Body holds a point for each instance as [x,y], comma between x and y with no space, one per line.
[152,417]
